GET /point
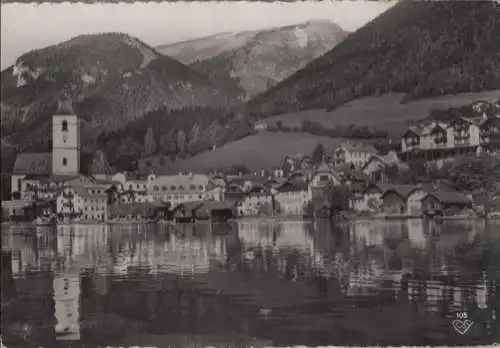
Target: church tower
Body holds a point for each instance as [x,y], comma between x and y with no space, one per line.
[65,140]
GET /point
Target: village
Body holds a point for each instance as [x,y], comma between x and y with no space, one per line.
[351,181]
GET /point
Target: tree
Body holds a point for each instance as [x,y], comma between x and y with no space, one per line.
[473,173]
[239,168]
[318,154]
[149,142]
[337,199]
[392,172]
[181,141]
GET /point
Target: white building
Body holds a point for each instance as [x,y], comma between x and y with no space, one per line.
[183,188]
[353,153]
[82,202]
[254,201]
[291,198]
[459,136]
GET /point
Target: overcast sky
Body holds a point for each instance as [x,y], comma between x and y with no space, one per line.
[30,26]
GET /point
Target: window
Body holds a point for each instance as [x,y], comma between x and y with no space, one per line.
[323,178]
[64,161]
[64,126]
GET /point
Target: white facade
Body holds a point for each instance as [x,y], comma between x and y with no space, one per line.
[183,188]
[414,202]
[65,145]
[251,205]
[439,135]
[356,154]
[79,201]
[292,202]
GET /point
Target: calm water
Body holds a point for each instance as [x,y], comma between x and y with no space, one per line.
[256,282]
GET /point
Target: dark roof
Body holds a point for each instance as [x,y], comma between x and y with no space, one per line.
[40,163]
[401,190]
[33,163]
[65,107]
[99,164]
[291,186]
[450,197]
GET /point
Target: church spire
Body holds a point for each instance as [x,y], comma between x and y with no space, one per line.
[65,105]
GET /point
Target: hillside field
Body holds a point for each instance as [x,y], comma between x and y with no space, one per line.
[384,112]
[263,150]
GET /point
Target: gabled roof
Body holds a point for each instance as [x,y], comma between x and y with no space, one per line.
[190,205]
[450,197]
[65,107]
[402,191]
[323,168]
[292,186]
[33,163]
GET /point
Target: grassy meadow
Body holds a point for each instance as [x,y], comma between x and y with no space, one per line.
[384,112]
[262,150]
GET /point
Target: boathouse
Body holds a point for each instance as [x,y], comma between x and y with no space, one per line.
[446,203]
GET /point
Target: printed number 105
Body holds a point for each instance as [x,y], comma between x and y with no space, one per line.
[461,315]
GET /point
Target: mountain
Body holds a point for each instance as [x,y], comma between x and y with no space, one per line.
[419,48]
[249,62]
[112,78]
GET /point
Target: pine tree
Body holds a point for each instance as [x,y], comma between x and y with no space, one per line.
[149,142]
[318,154]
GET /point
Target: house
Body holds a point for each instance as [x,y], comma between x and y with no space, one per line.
[355,153]
[446,203]
[82,202]
[277,173]
[246,182]
[65,161]
[370,200]
[304,175]
[291,198]
[131,188]
[436,140]
[260,125]
[180,188]
[402,199]
[378,167]
[255,202]
[296,162]
[214,211]
[489,135]
[186,211]
[46,207]
[321,178]
[15,209]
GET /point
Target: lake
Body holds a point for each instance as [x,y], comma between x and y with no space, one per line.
[255,282]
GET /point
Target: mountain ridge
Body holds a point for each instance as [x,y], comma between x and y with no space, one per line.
[112,77]
[248,62]
[422,49]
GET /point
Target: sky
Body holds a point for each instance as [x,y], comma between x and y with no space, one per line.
[25,27]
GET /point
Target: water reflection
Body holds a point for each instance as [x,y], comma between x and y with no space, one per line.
[283,281]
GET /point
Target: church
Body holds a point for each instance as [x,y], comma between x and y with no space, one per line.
[64,163]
